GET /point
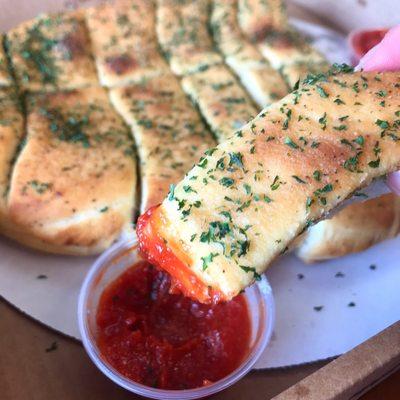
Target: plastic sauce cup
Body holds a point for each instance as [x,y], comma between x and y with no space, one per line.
[113,263]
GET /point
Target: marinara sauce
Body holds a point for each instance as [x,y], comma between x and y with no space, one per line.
[167,340]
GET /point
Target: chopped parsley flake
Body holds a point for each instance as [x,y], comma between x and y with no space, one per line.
[208,259]
[381,93]
[289,142]
[297,179]
[236,159]
[227,182]
[317,175]
[382,124]
[256,275]
[339,101]
[351,164]
[267,199]
[276,183]
[247,188]
[322,121]
[374,163]
[321,91]
[171,194]
[359,140]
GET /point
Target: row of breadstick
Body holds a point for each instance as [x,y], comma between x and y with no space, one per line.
[102,109]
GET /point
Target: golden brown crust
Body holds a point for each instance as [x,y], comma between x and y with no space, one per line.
[286,169]
[182,30]
[169,133]
[124,41]
[298,71]
[256,17]
[265,23]
[353,229]
[73,240]
[73,185]
[283,48]
[224,104]
[52,52]
[11,134]
[263,83]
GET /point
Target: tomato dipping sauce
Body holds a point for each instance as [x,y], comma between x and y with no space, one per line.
[166,340]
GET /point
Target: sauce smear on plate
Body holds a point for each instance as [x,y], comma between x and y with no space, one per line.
[166,340]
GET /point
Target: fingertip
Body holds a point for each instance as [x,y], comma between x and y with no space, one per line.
[393,181]
[385,56]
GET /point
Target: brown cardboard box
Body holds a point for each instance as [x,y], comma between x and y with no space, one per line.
[29,371]
[355,372]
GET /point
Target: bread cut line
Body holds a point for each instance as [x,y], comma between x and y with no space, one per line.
[265,23]
[72,188]
[284,48]
[256,17]
[182,30]
[169,133]
[51,53]
[5,78]
[263,83]
[11,135]
[355,228]
[282,172]
[290,53]
[222,101]
[124,42]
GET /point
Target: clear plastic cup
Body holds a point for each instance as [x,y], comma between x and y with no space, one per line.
[113,263]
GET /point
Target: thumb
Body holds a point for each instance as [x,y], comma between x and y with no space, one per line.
[386,55]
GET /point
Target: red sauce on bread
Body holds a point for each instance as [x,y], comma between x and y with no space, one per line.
[172,260]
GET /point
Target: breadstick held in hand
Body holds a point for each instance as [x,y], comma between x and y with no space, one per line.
[247,199]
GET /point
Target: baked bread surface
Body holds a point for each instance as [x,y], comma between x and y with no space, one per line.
[263,83]
[256,17]
[184,36]
[355,228]
[124,41]
[282,172]
[52,52]
[168,131]
[73,185]
[223,102]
